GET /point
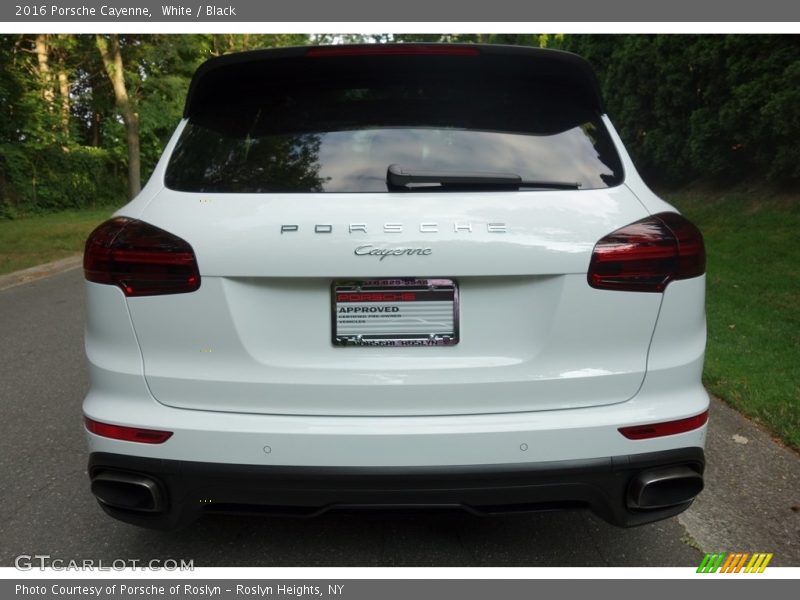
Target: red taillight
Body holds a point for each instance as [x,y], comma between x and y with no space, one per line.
[691,250]
[141,259]
[645,256]
[127,434]
[644,432]
[393,50]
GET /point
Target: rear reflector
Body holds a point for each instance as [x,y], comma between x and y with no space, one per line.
[140,258]
[653,430]
[646,255]
[393,50]
[127,434]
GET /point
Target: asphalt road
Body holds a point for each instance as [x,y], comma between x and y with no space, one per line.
[46,507]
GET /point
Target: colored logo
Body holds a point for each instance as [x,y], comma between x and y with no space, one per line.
[735,562]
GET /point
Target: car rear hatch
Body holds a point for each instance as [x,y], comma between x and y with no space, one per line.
[332,287]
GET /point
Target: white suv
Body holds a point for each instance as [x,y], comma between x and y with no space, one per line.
[395,275]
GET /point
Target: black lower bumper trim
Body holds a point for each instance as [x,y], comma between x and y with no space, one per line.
[192,488]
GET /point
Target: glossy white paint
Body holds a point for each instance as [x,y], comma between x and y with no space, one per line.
[240,235]
[396,441]
[256,337]
[544,361]
[263,345]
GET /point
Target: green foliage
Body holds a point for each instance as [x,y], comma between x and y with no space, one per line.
[12,90]
[53,178]
[724,107]
[46,164]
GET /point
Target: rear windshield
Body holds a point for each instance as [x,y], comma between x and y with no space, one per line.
[341,136]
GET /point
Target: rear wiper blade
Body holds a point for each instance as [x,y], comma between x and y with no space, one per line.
[398,177]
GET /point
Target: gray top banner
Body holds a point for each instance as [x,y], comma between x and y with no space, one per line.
[445,11]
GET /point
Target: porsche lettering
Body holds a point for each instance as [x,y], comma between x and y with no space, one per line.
[424,227]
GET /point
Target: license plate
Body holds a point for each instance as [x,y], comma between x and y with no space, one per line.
[395,312]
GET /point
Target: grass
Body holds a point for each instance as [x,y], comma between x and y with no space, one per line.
[753,302]
[34,240]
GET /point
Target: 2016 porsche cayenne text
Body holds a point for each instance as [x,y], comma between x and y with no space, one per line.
[395,275]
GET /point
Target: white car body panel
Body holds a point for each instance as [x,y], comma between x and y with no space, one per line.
[523,356]
[267,349]
[547,369]
[671,391]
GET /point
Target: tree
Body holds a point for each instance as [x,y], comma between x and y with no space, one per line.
[76,111]
[111,54]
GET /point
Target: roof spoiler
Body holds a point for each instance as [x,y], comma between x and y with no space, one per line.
[247,71]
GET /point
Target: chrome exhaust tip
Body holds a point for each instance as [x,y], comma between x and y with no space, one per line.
[128,491]
[662,488]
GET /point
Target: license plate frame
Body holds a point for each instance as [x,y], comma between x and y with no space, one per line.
[419,312]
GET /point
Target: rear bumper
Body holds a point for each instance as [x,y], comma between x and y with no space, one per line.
[185,490]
